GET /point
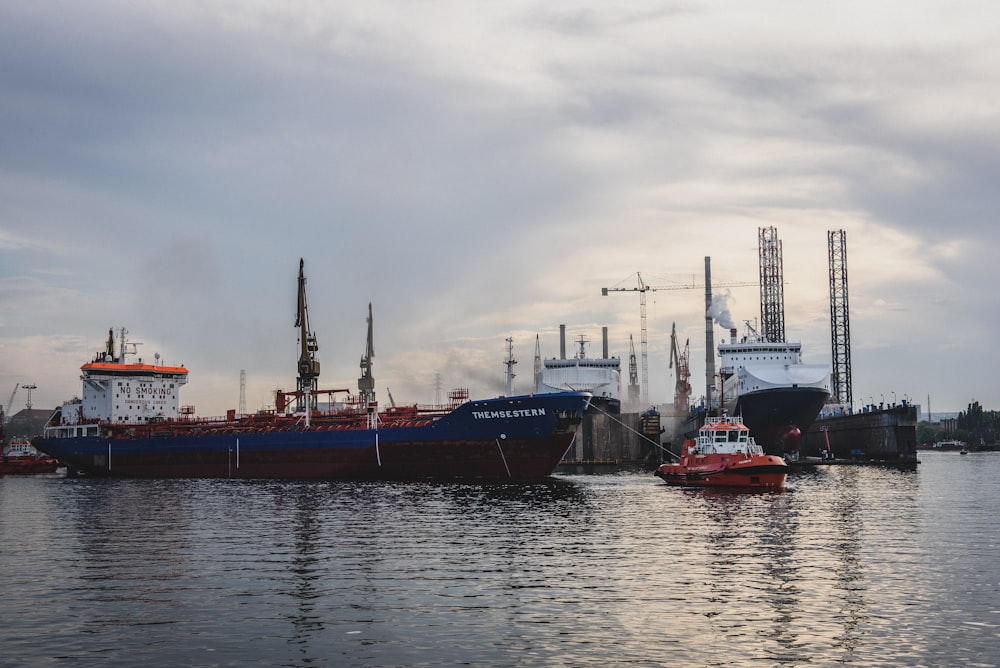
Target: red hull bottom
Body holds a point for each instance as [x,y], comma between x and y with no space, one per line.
[773,481]
[749,477]
[27,465]
[511,459]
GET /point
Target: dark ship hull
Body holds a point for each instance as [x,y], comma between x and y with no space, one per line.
[505,438]
[778,417]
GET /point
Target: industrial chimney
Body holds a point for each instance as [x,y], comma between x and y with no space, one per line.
[709,336]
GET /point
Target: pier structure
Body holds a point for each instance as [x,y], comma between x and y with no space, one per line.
[877,434]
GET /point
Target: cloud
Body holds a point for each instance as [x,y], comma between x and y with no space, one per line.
[478,174]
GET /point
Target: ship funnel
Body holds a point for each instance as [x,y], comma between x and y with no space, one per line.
[732,335]
[604,339]
[562,342]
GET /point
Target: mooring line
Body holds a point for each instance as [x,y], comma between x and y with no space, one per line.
[504,459]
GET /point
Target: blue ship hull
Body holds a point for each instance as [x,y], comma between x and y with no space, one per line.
[505,438]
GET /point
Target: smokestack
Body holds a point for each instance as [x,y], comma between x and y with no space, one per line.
[604,337]
[562,342]
[709,336]
[732,335]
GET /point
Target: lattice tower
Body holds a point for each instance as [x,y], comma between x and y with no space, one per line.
[772,297]
[840,321]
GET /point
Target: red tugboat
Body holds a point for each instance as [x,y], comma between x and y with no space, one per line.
[725,455]
[21,458]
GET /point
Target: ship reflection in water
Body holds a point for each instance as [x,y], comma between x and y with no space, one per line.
[849,566]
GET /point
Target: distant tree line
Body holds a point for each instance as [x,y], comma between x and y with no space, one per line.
[976,427]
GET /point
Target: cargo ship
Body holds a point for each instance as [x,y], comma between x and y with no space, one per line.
[767,383]
[130,423]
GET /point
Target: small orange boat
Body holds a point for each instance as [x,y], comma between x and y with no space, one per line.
[725,455]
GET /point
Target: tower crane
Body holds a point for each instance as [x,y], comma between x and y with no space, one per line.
[642,288]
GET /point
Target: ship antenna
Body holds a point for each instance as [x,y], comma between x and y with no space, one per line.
[121,358]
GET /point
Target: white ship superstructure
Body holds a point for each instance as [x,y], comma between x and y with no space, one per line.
[754,365]
[600,376]
[120,392]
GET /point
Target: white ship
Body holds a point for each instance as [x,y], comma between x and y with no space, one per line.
[767,383]
[600,376]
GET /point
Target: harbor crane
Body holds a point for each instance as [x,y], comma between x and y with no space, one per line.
[642,288]
[633,374]
[366,383]
[306,399]
[681,363]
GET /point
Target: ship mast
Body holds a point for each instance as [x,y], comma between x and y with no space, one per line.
[509,363]
[366,383]
[308,364]
[538,364]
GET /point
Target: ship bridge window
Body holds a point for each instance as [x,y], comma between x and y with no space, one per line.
[733,436]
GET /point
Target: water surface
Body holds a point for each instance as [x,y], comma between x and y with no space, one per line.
[848,566]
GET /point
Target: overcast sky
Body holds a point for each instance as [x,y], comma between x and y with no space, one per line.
[479,171]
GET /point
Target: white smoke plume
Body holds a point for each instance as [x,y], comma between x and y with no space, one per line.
[719,310]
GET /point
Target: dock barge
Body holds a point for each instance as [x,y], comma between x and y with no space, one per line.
[877,435]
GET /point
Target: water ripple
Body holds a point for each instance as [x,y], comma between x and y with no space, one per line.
[848,566]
